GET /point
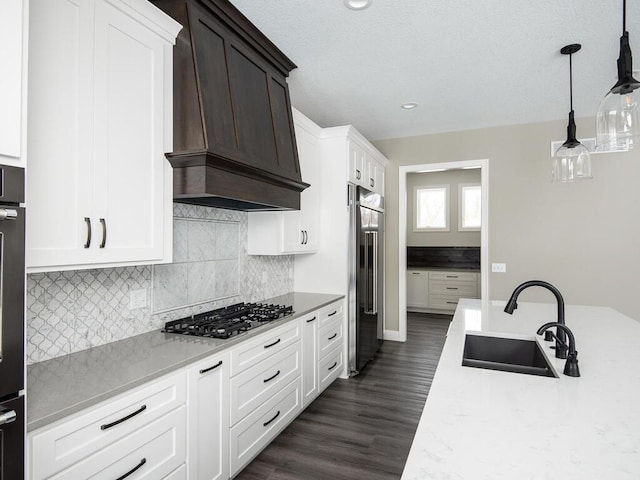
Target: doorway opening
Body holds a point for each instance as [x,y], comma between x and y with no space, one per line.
[406,196]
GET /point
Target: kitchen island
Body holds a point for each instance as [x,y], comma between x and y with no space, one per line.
[482,424]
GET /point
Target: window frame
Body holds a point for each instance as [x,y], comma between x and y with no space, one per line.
[461,207]
[447,214]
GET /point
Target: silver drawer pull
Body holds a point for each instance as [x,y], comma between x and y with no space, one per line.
[7,417]
[452,288]
[8,214]
[452,276]
[453,303]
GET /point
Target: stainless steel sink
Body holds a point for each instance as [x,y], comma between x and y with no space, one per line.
[506,354]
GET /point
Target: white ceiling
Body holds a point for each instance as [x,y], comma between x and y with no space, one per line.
[467,63]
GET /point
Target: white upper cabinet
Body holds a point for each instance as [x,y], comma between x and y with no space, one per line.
[100,87]
[13,54]
[278,233]
[365,164]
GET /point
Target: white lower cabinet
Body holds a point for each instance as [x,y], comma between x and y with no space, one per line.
[145,428]
[204,422]
[257,429]
[439,291]
[209,418]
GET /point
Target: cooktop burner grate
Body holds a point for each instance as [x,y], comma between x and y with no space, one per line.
[228,321]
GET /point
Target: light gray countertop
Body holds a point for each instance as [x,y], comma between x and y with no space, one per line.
[65,385]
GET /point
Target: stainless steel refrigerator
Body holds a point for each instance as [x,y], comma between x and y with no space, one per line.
[366,276]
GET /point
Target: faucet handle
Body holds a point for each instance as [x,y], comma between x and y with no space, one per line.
[548,335]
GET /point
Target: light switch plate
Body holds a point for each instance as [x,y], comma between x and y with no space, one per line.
[499,267]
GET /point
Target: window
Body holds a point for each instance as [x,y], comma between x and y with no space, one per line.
[431,208]
[469,207]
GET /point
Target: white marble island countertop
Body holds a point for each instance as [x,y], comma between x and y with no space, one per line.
[481,424]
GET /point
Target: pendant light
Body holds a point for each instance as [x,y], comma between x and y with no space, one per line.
[572,160]
[618,117]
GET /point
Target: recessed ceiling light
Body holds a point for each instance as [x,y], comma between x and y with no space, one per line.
[358,4]
[409,105]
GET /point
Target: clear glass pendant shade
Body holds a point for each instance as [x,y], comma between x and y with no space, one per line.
[571,163]
[618,121]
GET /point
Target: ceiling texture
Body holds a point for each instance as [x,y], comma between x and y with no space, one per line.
[466,63]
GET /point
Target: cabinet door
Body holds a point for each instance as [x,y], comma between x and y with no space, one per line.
[356,164]
[309,358]
[128,147]
[59,181]
[209,419]
[11,31]
[301,229]
[417,288]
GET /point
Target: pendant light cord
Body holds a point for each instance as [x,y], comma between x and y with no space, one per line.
[571,82]
[624,16]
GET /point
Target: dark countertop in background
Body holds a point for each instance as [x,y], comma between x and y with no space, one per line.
[65,385]
[445,258]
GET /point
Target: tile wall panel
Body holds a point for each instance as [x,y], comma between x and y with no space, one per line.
[76,310]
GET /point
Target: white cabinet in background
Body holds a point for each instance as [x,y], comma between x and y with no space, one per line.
[298,231]
[209,418]
[13,38]
[100,87]
[417,289]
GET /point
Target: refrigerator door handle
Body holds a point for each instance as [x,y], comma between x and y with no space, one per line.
[371,291]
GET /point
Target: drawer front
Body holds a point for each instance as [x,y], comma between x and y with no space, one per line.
[154,451]
[254,386]
[459,276]
[179,474]
[444,302]
[330,367]
[461,289]
[254,351]
[253,433]
[64,444]
[331,312]
[330,336]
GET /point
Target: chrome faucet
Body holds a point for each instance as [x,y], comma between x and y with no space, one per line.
[571,366]
[561,346]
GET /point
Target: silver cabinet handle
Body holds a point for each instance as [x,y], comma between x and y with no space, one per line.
[7,417]
[8,214]
[87,220]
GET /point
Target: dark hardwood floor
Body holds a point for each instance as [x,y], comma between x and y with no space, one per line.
[361,428]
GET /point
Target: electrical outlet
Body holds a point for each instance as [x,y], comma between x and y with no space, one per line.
[499,267]
[137,298]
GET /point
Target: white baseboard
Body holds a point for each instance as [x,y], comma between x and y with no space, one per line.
[393,335]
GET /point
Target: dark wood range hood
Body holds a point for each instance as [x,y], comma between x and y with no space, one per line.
[233,138]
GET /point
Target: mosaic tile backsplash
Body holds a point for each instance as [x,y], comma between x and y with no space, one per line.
[75,310]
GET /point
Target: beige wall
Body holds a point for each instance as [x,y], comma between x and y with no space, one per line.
[452,238]
[583,237]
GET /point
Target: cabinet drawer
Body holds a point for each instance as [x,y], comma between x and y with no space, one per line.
[252,352]
[73,439]
[445,302]
[331,312]
[330,367]
[254,432]
[179,474]
[254,386]
[153,451]
[461,289]
[330,336]
[447,276]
